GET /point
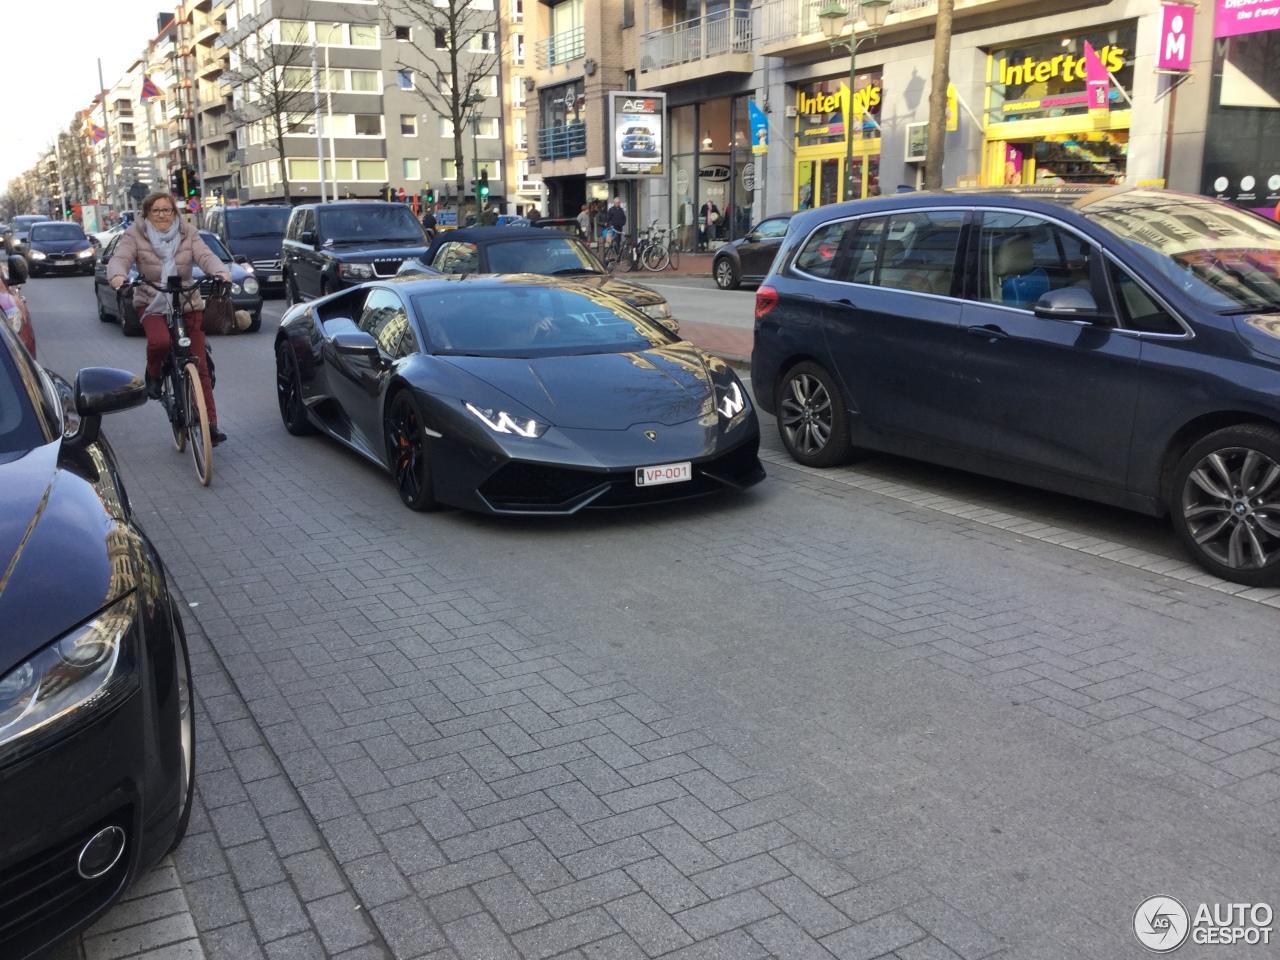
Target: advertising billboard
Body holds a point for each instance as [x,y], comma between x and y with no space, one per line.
[637,134]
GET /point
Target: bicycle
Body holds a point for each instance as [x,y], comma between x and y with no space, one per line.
[181,392]
[657,248]
[612,252]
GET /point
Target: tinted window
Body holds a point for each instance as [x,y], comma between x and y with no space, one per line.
[57,231]
[550,256]
[529,321]
[773,228]
[19,429]
[919,251]
[370,223]
[257,222]
[1137,310]
[818,258]
[1021,258]
[860,263]
[457,257]
[385,319]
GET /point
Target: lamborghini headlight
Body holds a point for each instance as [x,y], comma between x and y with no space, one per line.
[733,405]
[90,668]
[501,422]
[656,311]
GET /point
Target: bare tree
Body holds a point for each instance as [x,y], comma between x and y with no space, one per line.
[451,46]
[276,75]
[75,162]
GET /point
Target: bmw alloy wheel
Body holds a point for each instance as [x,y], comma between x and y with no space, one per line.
[811,417]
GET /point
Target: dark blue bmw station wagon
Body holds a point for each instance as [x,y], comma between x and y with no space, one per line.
[1117,344]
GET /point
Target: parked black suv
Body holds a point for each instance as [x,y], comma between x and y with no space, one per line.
[255,233]
[331,246]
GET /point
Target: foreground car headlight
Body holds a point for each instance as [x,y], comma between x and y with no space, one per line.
[37,255]
[656,311]
[90,668]
[500,422]
[250,286]
[357,271]
[733,405]
[86,253]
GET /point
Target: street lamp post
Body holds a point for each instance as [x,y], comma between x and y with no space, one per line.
[833,18]
[334,28]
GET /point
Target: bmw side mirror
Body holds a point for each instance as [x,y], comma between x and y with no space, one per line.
[103,390]
[1073,304]
[18,272]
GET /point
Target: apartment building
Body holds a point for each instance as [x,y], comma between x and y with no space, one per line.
[380,73]
[212,132]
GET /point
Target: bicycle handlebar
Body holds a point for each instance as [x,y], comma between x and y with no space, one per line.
[214,286]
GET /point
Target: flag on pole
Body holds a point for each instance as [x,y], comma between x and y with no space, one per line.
[1097,83]
[149,89]
[97,133]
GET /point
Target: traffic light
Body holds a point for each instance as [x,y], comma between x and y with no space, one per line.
[430,197]
[191,182]
[175,182]
[482,191]
[68,211]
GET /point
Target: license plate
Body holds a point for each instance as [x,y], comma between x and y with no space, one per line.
[665,473]
[275,278]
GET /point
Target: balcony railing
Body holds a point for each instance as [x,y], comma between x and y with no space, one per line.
[695,39]
[560,48]
[561,143]
[790,19]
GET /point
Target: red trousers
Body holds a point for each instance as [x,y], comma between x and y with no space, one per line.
[158,348]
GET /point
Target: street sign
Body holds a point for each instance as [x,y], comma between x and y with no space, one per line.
[193,204]
[138,191]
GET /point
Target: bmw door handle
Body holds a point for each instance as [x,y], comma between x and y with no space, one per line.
[988,332]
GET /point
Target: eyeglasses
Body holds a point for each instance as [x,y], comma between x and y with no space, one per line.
[165,211]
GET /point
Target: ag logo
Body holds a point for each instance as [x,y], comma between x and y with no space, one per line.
[1161,924]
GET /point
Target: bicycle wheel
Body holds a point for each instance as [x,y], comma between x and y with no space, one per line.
[673,260]
[611,254]
[197,423]
[656,257]
[171,400]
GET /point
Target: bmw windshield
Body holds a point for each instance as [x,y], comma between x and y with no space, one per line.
[1217,254]
[56,231]
[527,320]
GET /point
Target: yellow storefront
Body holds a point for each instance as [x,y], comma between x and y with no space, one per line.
[821,148]
[1038,126]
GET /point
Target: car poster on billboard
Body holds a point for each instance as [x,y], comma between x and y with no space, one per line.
[637,134]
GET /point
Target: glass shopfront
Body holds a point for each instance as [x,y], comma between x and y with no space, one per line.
[1242,142]
[821,147]
[1040,127]
[712,172]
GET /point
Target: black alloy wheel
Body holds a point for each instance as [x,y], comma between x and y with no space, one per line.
[289,391]
[407,453]
[103,316]
[726,274]
[1225,504]
[811,417]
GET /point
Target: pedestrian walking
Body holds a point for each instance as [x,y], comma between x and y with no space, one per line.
[584,222]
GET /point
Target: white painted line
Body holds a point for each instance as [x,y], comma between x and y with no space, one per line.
[1121,553]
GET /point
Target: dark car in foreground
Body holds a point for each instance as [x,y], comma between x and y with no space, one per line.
[517,395]
[256,234]
[246,294]
[534,250]
[1120,344]
[333,246]
[56,247]
[96,724]
[748,259]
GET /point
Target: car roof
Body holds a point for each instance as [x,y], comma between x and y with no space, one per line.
[480,235]
[351,204]
[418,283]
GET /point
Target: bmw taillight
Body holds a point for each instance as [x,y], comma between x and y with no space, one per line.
[766,300]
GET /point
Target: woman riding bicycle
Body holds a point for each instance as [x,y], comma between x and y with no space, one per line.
[162,245]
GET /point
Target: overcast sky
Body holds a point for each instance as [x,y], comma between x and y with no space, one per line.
[51,53]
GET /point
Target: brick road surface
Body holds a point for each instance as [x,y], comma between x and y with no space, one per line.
[810,721]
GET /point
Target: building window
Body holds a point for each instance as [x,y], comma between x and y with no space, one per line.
[480,43]
[368,124]
[494,167]
[331,35]
[442,40]
[404,34]
[487,128]
[520,134]
[404,79]
[629,14]
[300,169]
[364,35]
[517,11]
[372,170]
[517,91]
[408,125]
[517,46]
[295,31]
[412,169]
[449,169]
[366,81]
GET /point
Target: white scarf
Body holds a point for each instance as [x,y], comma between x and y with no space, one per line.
[166,247]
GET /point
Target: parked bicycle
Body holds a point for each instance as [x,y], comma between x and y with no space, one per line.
[659,249]
[615,248]
[181,393]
